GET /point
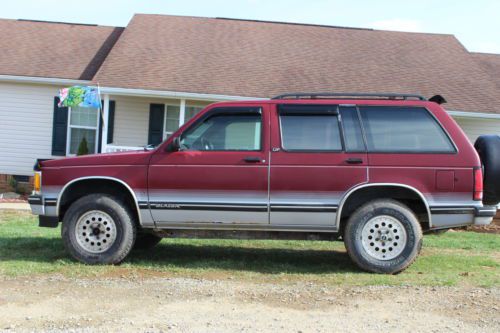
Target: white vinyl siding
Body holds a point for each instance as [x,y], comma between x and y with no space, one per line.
[26,115]
[132,118]
[475,127]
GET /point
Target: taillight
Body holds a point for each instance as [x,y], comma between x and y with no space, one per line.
[478,184]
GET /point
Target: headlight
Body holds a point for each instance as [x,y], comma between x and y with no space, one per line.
[37,183]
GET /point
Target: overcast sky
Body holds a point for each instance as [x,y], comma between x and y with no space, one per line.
[475,23]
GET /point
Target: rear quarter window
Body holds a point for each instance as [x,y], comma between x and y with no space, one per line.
[403,130]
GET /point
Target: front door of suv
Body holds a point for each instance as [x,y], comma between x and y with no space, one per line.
[220,174]
[317,155]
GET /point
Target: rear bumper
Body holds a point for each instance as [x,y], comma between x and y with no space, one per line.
[484,215]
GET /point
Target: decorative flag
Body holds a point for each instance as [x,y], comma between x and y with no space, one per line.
[87,97]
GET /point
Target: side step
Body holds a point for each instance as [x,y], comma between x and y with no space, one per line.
[244,234]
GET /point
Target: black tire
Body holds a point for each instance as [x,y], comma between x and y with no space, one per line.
[123,223]
[488,148]
[364,216]
[146,241]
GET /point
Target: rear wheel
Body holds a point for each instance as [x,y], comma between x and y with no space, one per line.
[98,229]
[383,236]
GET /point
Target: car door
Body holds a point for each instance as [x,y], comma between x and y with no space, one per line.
[317,154]
[220,172]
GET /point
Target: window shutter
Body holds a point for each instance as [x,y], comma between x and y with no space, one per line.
[156,119]
[111,125]
[111,121]
[59,129]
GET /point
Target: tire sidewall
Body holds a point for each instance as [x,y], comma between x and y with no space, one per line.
[365,260]
[125,234]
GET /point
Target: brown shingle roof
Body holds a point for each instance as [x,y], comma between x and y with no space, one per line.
[262,59]
[490,62]
[56,50]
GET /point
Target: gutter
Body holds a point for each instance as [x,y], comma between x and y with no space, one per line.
[175,94]
[482,115]
[43,80]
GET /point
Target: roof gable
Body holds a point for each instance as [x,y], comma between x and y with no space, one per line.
[54,50]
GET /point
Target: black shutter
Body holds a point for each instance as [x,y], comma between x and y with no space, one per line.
[111,124]
[111,121]
[156,119]
[59,129]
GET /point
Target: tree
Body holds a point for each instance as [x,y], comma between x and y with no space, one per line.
[83,147]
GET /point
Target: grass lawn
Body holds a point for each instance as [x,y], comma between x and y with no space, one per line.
[455,258]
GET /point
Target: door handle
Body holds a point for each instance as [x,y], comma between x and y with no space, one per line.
[354,160]
[252,159]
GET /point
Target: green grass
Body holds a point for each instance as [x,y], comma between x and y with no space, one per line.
[455,258]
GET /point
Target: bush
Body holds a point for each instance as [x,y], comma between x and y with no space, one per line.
[83,147]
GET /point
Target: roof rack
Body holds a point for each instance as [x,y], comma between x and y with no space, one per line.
[355,95]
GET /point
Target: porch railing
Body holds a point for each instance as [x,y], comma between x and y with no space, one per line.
[115,149]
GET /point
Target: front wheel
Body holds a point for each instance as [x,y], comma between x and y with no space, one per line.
[383,236]
[98,229]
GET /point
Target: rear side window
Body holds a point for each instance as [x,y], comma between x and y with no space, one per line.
[403,129]
[310,128]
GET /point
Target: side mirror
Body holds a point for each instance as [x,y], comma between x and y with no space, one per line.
[175,145]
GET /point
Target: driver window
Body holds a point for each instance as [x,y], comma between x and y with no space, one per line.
[239,130]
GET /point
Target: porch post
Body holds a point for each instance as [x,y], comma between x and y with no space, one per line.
[182,114]
[105,116]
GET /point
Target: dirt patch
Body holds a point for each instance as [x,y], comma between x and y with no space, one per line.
[201,305]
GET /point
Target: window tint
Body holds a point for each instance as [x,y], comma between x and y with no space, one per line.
[226,131]
[352,129]
[310,128]
[403,129]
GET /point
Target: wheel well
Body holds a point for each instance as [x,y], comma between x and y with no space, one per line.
[83,187]
[402,194]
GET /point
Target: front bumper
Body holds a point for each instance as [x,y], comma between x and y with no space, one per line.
[46,209]
[37,204]
[484,215]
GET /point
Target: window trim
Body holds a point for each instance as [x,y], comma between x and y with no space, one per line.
[165,117]
[229,110]
[68,132]
[314,151]
[454,150]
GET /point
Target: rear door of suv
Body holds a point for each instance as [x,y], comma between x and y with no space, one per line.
[317,155]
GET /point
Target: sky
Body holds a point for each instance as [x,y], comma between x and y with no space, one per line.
[475,23]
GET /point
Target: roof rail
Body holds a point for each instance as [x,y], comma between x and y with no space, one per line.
[355,95]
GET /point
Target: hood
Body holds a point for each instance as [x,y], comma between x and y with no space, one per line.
[121,158]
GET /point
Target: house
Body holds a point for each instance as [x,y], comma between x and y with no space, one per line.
[161,70]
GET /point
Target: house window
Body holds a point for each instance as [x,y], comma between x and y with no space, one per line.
[83,124]
[191,111]
[172,118]
[172,115]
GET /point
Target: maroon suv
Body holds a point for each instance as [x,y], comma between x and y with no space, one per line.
[376,170]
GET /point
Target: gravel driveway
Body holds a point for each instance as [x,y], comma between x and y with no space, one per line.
[200,305]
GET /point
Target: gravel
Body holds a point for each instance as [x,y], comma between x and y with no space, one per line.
[60,304]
